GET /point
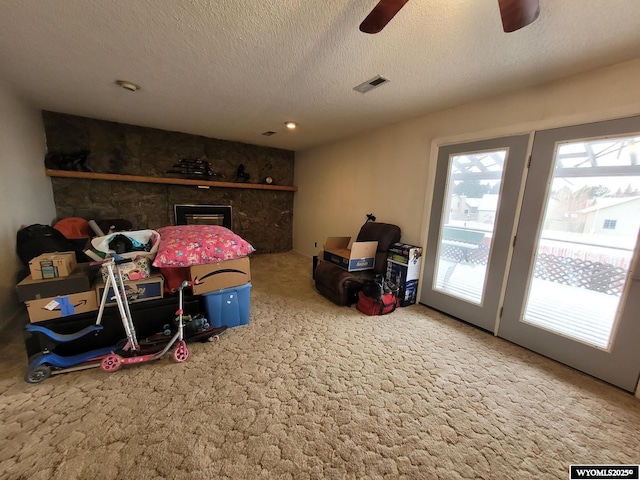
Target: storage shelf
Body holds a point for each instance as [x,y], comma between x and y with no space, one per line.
[165,180]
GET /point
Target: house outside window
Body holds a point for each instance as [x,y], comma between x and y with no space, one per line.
[609,224]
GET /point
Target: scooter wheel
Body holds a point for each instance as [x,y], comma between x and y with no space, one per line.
[38,374]
[111,363]
[181,353]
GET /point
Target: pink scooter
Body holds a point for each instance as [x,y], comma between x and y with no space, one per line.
[113,361]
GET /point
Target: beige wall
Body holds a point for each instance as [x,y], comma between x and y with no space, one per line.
[25,192]
[390,171]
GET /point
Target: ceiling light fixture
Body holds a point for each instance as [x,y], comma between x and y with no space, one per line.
[291,125]
[128,85]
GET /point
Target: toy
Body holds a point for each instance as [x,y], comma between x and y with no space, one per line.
[45,363]
[127,351]
[114,361]
[42,365]
[196,329]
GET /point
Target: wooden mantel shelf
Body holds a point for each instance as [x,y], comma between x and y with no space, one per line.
[170,181]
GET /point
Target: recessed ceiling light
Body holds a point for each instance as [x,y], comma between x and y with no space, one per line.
[290,125]
[128,85]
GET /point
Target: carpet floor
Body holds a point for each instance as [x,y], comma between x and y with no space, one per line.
[310,390]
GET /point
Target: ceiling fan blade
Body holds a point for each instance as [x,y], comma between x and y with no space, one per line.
[381,14]
[518,13]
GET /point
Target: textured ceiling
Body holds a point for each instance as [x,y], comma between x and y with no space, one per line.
[233,69]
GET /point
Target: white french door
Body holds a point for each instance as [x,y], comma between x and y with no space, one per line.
[572,293]
[472,216]
[567,284]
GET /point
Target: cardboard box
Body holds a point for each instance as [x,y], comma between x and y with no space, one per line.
[406,280]
[403,269]
[61,306]
[404,253]
[80,280]
[229,306]
[361,256]
[216,276]
[52,265]
[137,269]
[137,291]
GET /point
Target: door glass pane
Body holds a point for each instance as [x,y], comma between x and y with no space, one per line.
[469,213]
[587,239]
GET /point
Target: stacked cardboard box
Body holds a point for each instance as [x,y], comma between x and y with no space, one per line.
[217,276]
[52,265]
[59,287]
[149,288]
[68,293]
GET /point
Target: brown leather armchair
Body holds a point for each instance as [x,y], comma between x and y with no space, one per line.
[340,286]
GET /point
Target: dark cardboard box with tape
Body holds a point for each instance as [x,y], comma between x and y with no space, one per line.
[80,280]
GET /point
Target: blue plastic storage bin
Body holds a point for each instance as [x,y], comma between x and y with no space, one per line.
[229,306]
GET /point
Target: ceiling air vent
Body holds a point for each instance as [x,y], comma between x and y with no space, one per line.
[370,84]
[268,133]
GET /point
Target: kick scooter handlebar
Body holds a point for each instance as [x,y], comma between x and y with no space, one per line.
[116,260]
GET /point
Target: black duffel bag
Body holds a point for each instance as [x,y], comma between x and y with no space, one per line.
[37,239]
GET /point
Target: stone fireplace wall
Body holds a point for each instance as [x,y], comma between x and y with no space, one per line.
[262,217]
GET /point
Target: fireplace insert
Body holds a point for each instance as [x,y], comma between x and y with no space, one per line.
[203,215]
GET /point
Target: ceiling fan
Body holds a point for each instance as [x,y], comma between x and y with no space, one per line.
[515,14]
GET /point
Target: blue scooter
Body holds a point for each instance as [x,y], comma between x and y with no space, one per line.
[45,363]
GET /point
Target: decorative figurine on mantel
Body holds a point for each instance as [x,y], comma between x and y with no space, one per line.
[241,175]
[75,162]
[194,168]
